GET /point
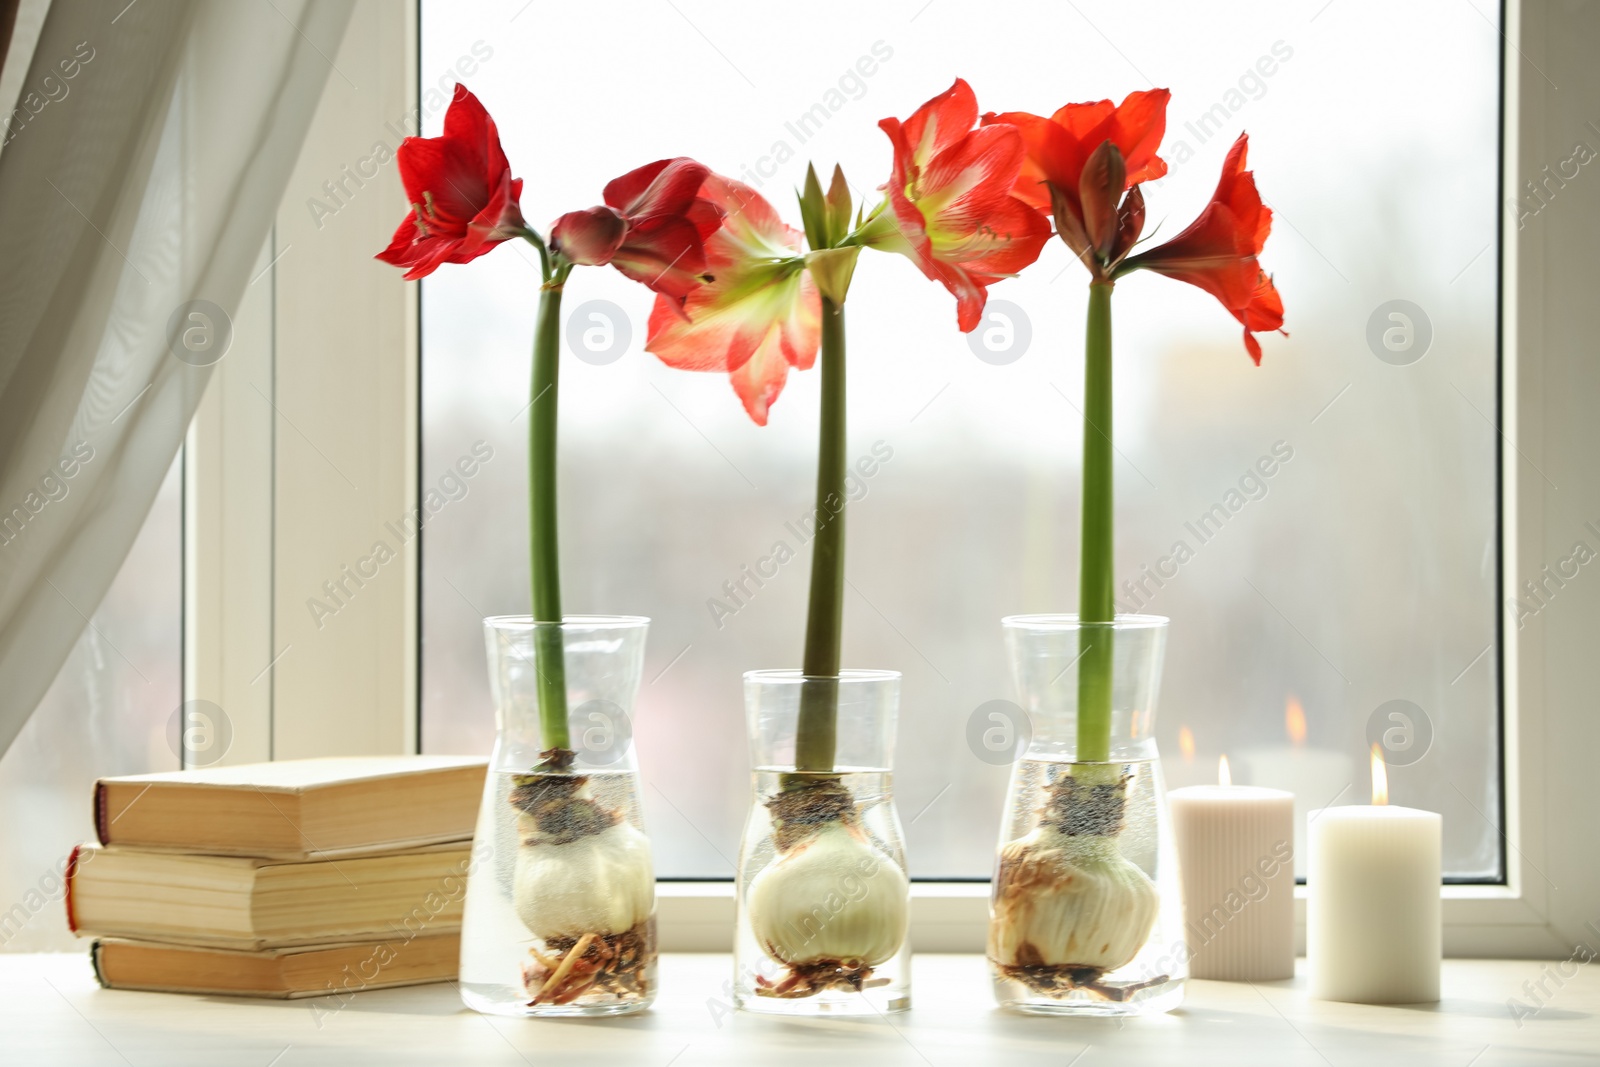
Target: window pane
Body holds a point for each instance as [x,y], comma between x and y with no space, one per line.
[1321,529]
[106,713]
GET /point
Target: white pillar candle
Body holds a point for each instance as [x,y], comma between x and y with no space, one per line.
[1373,933]
[1236,858]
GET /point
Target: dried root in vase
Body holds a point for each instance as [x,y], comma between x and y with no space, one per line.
[584,885]
[615,965]
[1069,907]
[831,906]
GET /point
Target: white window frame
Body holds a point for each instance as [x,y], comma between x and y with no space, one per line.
[305,446]
[260,502]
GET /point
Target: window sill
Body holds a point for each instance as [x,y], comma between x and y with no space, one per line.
[51,1011]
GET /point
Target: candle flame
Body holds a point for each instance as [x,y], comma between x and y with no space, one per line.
[1186,743]
[1223,777]
[1294,721]
[1380,778]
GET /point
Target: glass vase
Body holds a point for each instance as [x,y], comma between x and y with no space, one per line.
[1086,910]
[823,896]
[560,906]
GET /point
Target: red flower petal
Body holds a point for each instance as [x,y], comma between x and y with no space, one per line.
[499,220]
[1237,189]
[970,294]
[1080,120]
[664,253]
[749,226]
[972,177]
[712,340]
[911,226]
[421,255]
[705,216]
[665,187]
[1141,123]
[1265,310]
[1051,155]
[1012,237]
[467,125]
[940,123]
[762,377]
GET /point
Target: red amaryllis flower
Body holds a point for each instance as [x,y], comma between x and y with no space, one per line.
[951,204]
[1218,252]
[1070,173]
[1059,146]
[652,227]
[463,198]
[757,316]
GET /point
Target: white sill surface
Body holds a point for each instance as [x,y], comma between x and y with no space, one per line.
[52,1012]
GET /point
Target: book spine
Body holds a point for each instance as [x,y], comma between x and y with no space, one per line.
[71,878]
[94,962]
[102,826]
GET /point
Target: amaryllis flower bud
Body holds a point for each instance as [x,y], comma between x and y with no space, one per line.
[591,236]
[652,227]
[1100,189]
[463,198]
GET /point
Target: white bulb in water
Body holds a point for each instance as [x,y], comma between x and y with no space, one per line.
[600,883]
[1069,900]
[832,896]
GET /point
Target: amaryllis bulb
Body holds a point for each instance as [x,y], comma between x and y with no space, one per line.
[1069,900]
[832,896]
[600,883]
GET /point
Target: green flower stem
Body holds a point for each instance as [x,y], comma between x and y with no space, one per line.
[1096,602]
[548,648]
[817,728]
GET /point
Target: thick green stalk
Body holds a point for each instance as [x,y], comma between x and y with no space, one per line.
[818,725]
[1096,602]
[548,650]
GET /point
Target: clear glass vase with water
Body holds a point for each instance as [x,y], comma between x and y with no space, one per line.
[822,897]
[1086,908]
[560,908]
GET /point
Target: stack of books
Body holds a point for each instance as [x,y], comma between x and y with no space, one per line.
[292,879]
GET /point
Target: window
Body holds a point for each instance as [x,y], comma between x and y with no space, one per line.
[110,711]
[1337,506]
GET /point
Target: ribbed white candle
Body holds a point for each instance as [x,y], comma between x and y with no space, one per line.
[1236,856]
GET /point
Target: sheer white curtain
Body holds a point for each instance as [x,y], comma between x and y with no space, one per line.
[138,181]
